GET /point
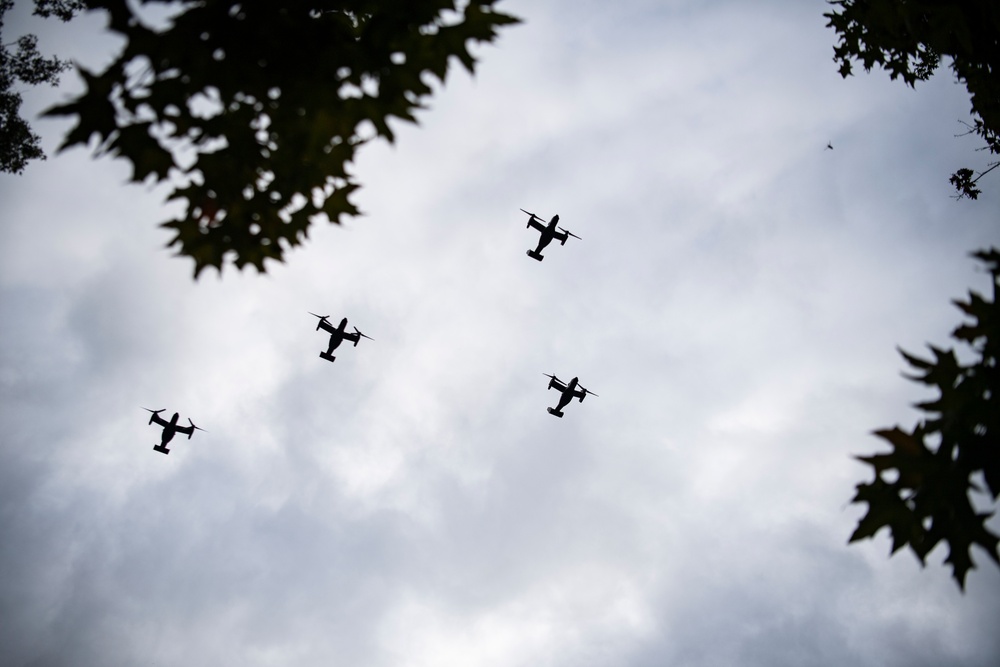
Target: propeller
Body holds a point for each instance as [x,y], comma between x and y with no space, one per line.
[587,391]
[322,318]
[532,216]
[155,412]
[195,428]
[570,233]
[361,334]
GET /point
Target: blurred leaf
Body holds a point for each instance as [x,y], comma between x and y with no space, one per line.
[262,104]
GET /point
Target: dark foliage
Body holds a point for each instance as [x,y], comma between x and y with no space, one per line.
[253,110]
[909,38]
[21,63]
[922,488]
[61,9]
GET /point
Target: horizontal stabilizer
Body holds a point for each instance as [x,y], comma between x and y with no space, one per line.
[328,357]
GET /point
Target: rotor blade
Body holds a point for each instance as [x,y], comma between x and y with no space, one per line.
[198,428]
[570,233]
[154,411]
[361,334]
[589,392]
[322,317]
[550,376]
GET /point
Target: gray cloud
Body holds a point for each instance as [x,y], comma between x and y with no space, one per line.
[735,301]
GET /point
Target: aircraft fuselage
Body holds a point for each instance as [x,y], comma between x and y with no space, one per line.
[169,430]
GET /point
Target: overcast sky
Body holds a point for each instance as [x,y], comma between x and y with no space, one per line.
[735,301]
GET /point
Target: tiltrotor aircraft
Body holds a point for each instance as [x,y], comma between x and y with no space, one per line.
[170,428]
[337,335]
[569,391]
[549,232]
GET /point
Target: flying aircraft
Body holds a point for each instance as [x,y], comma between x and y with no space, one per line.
[170,428]
[548,233]
[337,335]
[569,391]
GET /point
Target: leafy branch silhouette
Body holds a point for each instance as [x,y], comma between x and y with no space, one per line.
[253,110]
[923,488]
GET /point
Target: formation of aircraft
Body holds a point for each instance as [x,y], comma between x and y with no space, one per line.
[568,391]
[548,233]
[337,335]
[170,428]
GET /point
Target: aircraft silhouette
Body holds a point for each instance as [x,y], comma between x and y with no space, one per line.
[569,391]
[548,233]
[170,428]
[337,335]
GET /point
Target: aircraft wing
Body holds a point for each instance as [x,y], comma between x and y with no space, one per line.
[327,327]
[535,223]
[159,421]
[558,384]
[186,430]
